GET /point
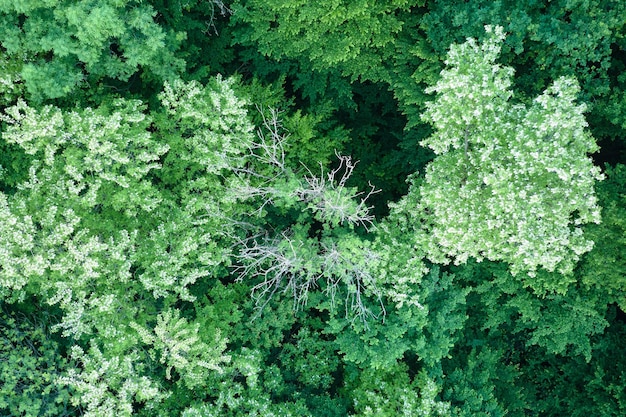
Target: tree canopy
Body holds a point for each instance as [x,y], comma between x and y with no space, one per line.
[289,209]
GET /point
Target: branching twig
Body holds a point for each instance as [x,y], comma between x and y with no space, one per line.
[287,264]
[216,5]
[269,149]
[279,265]
[329,194]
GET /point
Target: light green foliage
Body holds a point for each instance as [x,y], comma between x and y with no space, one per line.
[93,157]
[207,132]
[17,244]
[240,392]
[256,405]
[89,232]
[335,33]
[172,257]
[209,124]
[109,386]
[392,393]
[87,179]
[181,349]
[575,38]
[63,44]
[96,164]
[402,266]
[510,183]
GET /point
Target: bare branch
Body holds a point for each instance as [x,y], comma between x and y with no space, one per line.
[269,149]
[357,279]
[216,6]
[279,264]
[329,196]
[293,265]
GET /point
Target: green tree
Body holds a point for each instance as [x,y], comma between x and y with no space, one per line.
[603,268]
[511,182]
[59,47]
[210,250]
[335,34]
[92,230]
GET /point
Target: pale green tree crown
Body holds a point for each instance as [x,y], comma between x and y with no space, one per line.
[511,182]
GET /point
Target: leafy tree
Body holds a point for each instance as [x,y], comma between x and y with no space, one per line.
[63,45]
[134,231]
[181,348]
[337,34]
[110,386]
[90,232]
[603,267]
[510,183]
[393,393]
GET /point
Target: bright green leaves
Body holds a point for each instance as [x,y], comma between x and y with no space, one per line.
[207,131]
[393,393]
[94,231]
[210,124]
[93,157]
[64,43]
[175,260]
[328,34]
[109,386]
[96,297]
[92,177]
[17,258]
[471,94]
[511,183]
[179,347]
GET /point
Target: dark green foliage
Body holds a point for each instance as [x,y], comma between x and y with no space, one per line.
[561,385]
[205,48]
[483,386]
[604,267]
[30,364]
[14,162]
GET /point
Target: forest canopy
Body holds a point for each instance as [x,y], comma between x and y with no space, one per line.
[284,208]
